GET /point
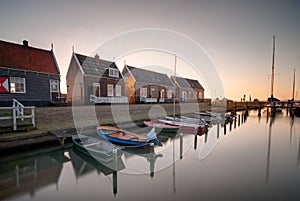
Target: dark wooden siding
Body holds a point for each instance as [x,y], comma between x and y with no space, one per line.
[104,81]
[37,87]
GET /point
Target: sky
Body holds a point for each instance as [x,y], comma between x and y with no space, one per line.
[236,35]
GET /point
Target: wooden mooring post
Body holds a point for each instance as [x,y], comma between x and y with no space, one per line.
[259,110]
[235,121]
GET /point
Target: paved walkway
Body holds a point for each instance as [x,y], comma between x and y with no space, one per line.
[52,120]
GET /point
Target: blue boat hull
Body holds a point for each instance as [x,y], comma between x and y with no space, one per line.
[121,141]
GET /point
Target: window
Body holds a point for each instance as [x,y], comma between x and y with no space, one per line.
[110,90]
[118,90]
[113,72]
[54,85]
[169,93]
[143,92]
[200,95]
[162,93]
[17,85]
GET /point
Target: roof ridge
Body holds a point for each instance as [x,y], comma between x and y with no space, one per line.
[92,57]
[21,45]
[146,70]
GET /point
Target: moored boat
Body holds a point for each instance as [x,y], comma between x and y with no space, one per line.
[161,127]
[185,126]
[127,138]
[95,147]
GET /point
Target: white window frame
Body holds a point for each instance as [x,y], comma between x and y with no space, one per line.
[113,72]
[110,90]
[118,90]
[17,80]
[143,92]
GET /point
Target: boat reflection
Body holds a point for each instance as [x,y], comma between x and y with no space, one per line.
[269,148]
[26,174]
[83,164]
[146,152]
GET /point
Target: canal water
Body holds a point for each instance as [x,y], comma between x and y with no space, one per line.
[258,159]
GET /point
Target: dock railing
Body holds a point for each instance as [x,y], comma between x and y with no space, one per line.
[18,113]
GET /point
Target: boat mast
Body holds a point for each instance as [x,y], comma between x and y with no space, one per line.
[272,81]
[294,85]
[174,87]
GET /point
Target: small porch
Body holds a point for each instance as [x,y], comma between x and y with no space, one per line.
[104,100]
[151,100]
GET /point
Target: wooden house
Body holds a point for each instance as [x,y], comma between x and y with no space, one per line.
[188,90]
[144,86]
[91,79]
[28,74]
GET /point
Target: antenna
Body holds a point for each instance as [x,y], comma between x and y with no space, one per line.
[73,48]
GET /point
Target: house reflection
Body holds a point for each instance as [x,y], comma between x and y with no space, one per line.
[30,173]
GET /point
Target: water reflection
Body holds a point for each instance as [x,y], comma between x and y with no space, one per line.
[269,149]
[83,164]
[27,173]
[256,159]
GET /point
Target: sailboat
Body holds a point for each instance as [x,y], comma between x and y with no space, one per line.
[296,110]
[275,107]
[165,125]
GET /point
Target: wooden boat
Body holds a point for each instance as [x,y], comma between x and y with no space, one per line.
[185,119]
[209,117]
[126,138]
[185,126]
[161,127]
[95,147]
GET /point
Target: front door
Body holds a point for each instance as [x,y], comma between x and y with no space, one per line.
[96,89]
[54,90]
[184,96]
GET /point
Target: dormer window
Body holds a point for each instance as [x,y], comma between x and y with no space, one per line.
[113,72]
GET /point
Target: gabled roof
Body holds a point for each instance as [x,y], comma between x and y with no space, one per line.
[149,77]
[24,57]
[95,67]
[187,83]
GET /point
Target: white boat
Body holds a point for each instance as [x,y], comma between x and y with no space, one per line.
[185,125]
[185,119]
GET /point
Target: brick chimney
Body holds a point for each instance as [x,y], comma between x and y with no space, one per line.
[97,58]
[25,43]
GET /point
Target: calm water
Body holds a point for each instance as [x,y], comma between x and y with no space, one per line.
[258,160]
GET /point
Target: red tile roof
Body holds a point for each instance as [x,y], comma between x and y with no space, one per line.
[27,58]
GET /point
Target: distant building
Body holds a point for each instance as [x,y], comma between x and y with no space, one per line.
[28,74]
[91,79]
[144,86]
[188,89]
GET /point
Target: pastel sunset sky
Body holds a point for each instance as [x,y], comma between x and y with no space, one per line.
[236,35]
